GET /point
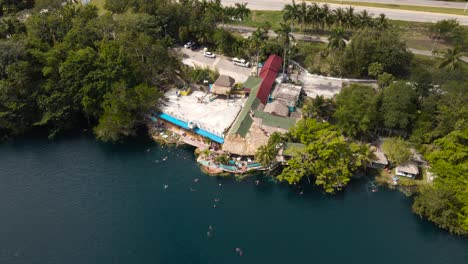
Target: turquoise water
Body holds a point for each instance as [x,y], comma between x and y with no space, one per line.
[80,201]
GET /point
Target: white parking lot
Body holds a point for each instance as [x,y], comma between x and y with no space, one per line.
[222,64]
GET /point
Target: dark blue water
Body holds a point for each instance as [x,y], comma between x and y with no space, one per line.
[80,201]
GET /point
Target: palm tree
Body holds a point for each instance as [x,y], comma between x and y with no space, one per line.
[291,12]
[313,15]
[451,59]
[325,16]
[366,155]
[318,107]
[242,12]
[337,39]
[381,22]
[256,41]
[350,17]
[302,14]
[339,17]
[285,38]
[265,155]
[364,19]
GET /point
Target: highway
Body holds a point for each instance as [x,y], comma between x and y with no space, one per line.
[394,14]
[433,3]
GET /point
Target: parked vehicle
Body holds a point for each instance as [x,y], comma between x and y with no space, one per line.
[189,45]
[241,62]
[209,54]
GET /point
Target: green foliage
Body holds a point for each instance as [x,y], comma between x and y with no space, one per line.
[375,69]
[13,6]
[198,75]
[369,47]
[124,108]
[445,203]
[385,79]
[357,110]
[450,31]
[399,106]
[67,67]
[327,156]
[397,150]
[266,154]
[223,159]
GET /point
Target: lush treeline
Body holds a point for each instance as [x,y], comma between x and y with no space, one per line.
[64,66]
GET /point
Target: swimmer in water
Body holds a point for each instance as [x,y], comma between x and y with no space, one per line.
[192,189]
[196,180]
[239,250]
[165,158]
[217,199]
[301,193]
[148,150]
[257,182]
[166,186]
[214,205]
[219,184]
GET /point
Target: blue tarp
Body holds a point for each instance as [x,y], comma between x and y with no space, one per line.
[197,130]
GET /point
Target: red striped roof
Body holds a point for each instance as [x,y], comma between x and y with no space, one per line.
[268,74]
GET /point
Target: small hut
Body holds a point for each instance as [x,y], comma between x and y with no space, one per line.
[409,170]
[223,85]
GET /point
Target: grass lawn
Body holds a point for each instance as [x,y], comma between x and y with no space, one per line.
[257,18]
[443,10]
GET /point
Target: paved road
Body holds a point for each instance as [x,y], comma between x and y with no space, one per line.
[433,3]
[393,14]
[311,38]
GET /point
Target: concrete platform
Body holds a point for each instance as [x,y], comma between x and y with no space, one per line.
[215,117]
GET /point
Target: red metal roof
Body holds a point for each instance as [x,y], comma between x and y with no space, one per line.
[268,74]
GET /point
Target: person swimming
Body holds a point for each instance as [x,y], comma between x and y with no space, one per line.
[257,182]
[217,200]
[166,186]
[239,250]
[192,189]
[196,180]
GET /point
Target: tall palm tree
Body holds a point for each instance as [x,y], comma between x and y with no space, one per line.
[256,41]
[325,16]
[265,155]
[381,22]
[350,17]
[302,14]
[339,17]
[364,19]
[451,59]
[337,39]
[313,15]
[285,38]
[242,12]
[291,12]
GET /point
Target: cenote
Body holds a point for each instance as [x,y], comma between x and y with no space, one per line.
[77,200]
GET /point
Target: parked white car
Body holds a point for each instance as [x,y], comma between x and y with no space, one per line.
[209,54]
[189,44]
[241,62]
